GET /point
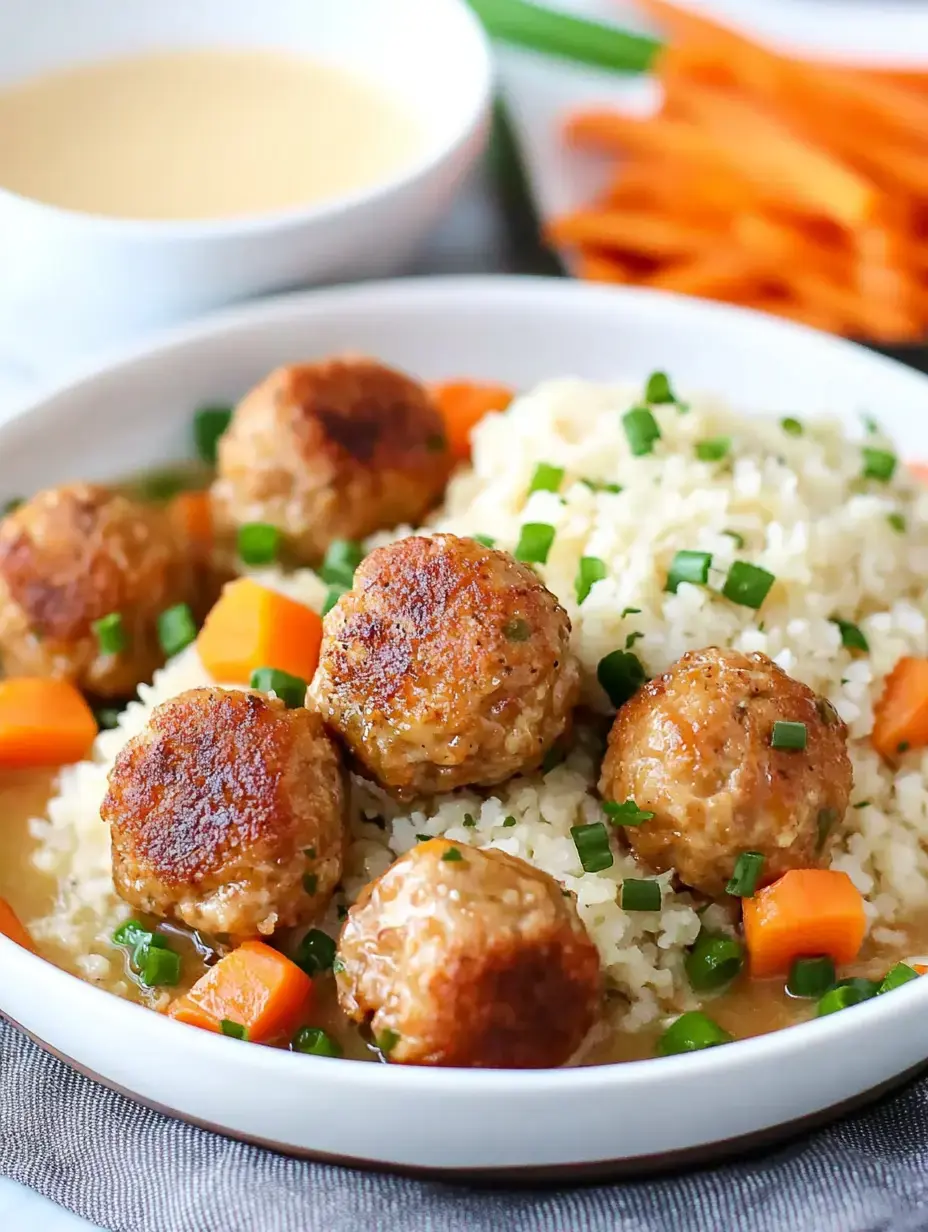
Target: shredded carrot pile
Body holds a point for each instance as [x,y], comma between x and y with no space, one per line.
[792,186]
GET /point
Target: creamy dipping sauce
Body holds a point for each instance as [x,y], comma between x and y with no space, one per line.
[199,134]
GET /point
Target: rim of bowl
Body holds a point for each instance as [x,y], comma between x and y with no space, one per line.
[297,216]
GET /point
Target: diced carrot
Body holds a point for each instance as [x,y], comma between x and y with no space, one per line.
[251,626]
[43,722]
[920,969]
[900,717]
[807,912]
[255,989]
[193,516]
[10,926]
[463,404]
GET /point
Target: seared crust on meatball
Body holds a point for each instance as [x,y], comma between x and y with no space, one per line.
[461,956]
[447,664]
[227,814]
[693,746]
[72,555]
[334,450]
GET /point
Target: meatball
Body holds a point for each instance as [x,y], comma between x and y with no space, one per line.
[73,555]
[460,956]
[326,451]
[447,664]
[694,747]
[227,814]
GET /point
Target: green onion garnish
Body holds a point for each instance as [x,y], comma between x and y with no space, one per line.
[715,960]
[469,821]
[810,977]
[878,464]
[423,838]
[825,820]
[714,449]
[792,426]
[111,633]
[744,880]
[332,596]
[517,630]
[590,570]
[534,543]
[747,584]
[341,559]
[733,534]
[338,963]
[107,717]
[641,894]
[688,566]
[851,636]
[691,1033]
[316,952]
[632,638]
[160,968]
[845,994]
[452,855]
[547,478]
[592,843]
[788,736]
[508,822]
[621,674]
[387,1040]
[657,390]
[11,505]
[596,485]
[209,423]
[176,629]
[896,976]
[861,804]
[641,430]
[629,611]
[627,814]
[131,933]
[235,1029]
[258,543]
[486,540]
[897,522]
[290,689]
[316,1043]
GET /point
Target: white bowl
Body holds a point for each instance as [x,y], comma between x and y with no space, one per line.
[94,279]
[646,1113]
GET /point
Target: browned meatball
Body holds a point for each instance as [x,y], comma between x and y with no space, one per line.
[447,664]
[72,555]
[694,747]
[459,956]
[334,450]
[227,814]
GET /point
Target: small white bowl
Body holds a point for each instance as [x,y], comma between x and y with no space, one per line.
[91,280]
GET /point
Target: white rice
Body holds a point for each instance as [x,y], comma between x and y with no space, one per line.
[805,515]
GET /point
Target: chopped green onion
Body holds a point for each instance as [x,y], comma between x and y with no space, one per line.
[107,717]
[258,543]
[590,570]
[657,390]
[792,426]
[826,819]
[310,883]
[517,630]
[632,638]
[316,952]
[903,746]
[176,629]
[160,968]
[235,1029]
[629,611]
[621,675]
[714,449]
[209,423]
[111,634]
[851,636]
[131,933]
[862,804]
[534,543]
[744,880]
[290,689]
[11,505]
[811,977]
[387,1040]
[870,424]
[733,534]
[592,843]
[641,430]
[423,838]
[316,1043]
[688,566]
[715,960]
[547,478]
[596,485]
[332,596]
[452,855]
[896,976]
[341,559]
[897,522]
[691,1033]
[791,736]
[508,822]
[845,994]
[163,485]
[469,821]
[338,963]
[486,540]
[627,814]
[878,464]
[641,894]
[747,584]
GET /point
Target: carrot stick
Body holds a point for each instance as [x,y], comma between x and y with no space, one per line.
[647,233]
[806,912]
[11,927]
[463,404]
[43,722]
[254,990]
[251,626]
[597,266]
[712,275]
[900,717]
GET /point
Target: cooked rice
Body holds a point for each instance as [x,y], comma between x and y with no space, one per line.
[805,515]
